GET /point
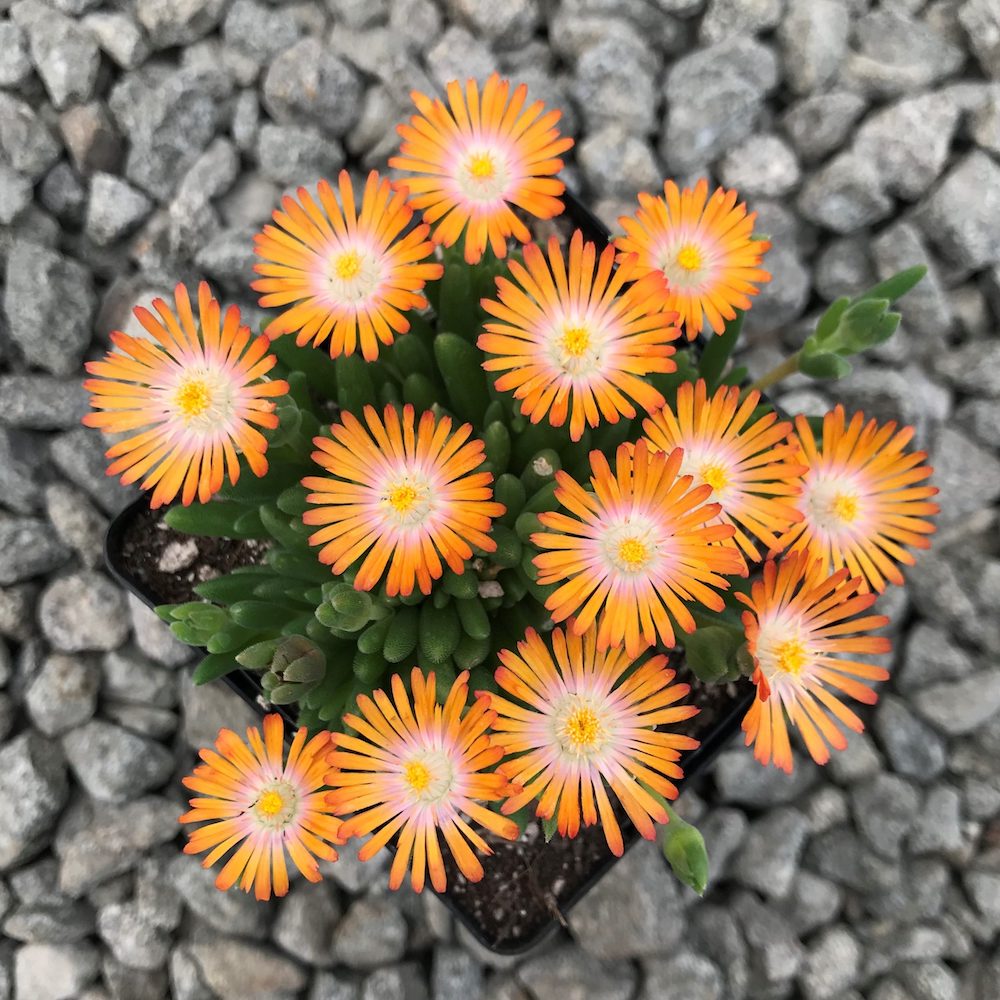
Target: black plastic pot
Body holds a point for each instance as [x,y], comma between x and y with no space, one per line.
[247,684]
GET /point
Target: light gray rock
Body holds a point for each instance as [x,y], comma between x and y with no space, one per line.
[259,30]
[115,209]
[981,21]
[972,368]
[760,165]
[235,969]
[885,809]
[178,22]
[130,677]
[832,964]
[455,975]
[63,194]
[371,933]
[229,258]
[844,267]
[230,912]
[812,903]
[65,54]
[618,164]
[845,195]
[83,611]
[33,774]
[615,84]
[929,981]
[306,921]
[774,953]
[938,826]
[29,548]
[727,18]
[506,26]
[683,976]
[330,986]
[813,36]
[457,55]
[50,924]
[568,971]
[15,194]
[742,781]
[212,174]
[637,896]
[913,748]
[49,302]
[156,641]
[26,141]
[967,475]
[126,983]
[42,402]
[133,940]
[723,830]
[784,298]
[819,124]
[297,154]
[119,37]
[63,694]
[960,706]
[965,230]
[54,971]
[15,65]
[769,857]
[114,765]
[17,610]
[91,137]
[395,982]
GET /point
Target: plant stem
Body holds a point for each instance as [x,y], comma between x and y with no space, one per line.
[787,367]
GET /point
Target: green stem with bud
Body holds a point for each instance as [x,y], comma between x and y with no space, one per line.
[781,371]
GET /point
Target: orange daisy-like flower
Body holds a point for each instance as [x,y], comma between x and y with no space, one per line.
[635,550]
[346,277]
[704,247]
[578,725]
[861,499]
[193,392]
[800,620]
[751,467]
[406,495]
[266,804]
[477,158]
[416,771]
[572,343]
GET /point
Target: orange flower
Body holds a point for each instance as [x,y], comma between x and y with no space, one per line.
[417,770]
[579,725]
[347,277]
[572,343]
[193,392]
[799,621]
[635,550]
[406,495]
[265,804]
[703,246]
[861,502]
[751,467]
[476,159]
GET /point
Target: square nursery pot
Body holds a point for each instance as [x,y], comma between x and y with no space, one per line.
[529,885]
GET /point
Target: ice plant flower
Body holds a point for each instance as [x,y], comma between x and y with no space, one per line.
[401,494]
[864,498]
[263,804]
[631,553]
[578,722]
[704,247]
[192,392]
[346,277]
[571,343]
[415,770]
[750,464]
[802,632]
[471,162]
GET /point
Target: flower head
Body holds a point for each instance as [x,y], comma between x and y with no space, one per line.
[750,464]
[476,159]
[862,498]
[400,494]
[571,342]
[581,721]
[193,392]
[799,622]
[416,770]
[265,804]
[704,247]
[635,550]
[347,277]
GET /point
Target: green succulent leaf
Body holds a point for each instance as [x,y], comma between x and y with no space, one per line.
[684,847]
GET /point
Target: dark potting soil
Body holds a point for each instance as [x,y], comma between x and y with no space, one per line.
[527,883]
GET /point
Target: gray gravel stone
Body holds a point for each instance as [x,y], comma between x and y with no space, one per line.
[760,165]
[65,54]
[15,65]
[972,367]
[832,964]
[83,611]
[727,18]
[91,137]
[330,986]
[819,124]
[371,933]
[41,402]
[235,969]
[938,825]
[913,748]
[79,455]
[54,971]
[115,209]
[306,921]
[960,706]
[458,55]
[929,981]
[15,194]
[683,976]
[63,694]
[49,302]
[63,194]
[845,195]
[966,475]
[568,971]
[885,809]
[50,924]
[713,99]
[617,163]
[178,22]
[615,84]
[29,548]
[297,154]
[130,677]
[505,25]
[769,857]
[981,21]
[636,896]
[741,780]
[186,980]
[132,939]
[154,638]
[723,830]
[114,765]
[26,140]
[812,903]
[775,954]
[32,774]
[119,37]
[813,35]
[125,983]
[455,975]
[230,912]
[259,30]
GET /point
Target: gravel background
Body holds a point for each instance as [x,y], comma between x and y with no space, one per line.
[142,143]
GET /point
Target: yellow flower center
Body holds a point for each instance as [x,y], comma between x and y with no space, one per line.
[633,553]
[193,398]
[482,165]
[402,498]
[347,265]
[845,507]
[417,776]
[791,656]
[270,803]
[582,729]
[483,175]
[576,340]
[429,775]
[276,805]
[689,257]
[408,500]
[715,475]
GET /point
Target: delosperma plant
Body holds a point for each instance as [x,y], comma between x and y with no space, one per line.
[494,482]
